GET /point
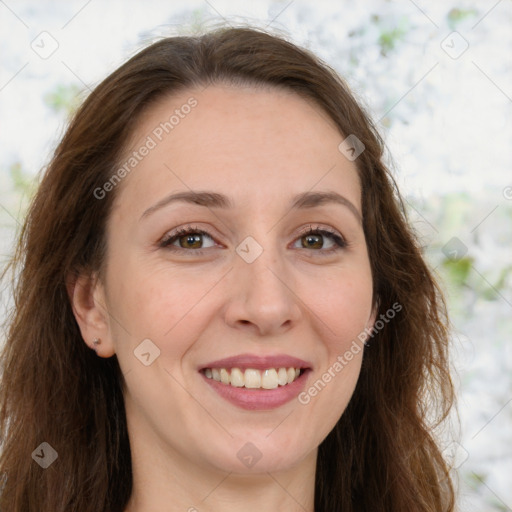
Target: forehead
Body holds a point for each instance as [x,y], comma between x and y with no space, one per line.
[258,144]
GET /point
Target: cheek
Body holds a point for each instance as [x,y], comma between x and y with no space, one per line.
[162,305]
[344,310]
[344,305]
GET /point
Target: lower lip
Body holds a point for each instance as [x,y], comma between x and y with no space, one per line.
[259,399]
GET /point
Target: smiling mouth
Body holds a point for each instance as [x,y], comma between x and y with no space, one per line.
[251,378]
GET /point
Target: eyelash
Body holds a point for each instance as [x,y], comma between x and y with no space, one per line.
[340,242]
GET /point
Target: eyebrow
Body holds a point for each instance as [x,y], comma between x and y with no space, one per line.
[210,199]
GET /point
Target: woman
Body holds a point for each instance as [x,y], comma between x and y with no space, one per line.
[220,305]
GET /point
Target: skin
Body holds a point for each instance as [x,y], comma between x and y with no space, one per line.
[260,147]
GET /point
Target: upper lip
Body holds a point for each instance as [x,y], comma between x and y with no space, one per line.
[244,361]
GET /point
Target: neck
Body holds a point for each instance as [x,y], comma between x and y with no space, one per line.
[167,481]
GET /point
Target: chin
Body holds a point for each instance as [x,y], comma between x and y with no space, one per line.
[259,455]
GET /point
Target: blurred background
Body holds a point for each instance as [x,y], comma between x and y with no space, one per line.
[436,78]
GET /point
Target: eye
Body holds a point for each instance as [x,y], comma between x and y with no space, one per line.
[191,239]
[186,238]
[314,239]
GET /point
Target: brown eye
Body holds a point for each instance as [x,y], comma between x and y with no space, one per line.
[193,239]
[323,239]
[312,241]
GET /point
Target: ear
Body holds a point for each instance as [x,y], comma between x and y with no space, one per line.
[87,296]
[373,315]
[371,321]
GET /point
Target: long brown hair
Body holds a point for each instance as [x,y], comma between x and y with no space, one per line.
[380,456]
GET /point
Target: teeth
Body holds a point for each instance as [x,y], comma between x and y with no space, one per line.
[224,376]
[251,378]
[269,379]
[237,378]
[282,376]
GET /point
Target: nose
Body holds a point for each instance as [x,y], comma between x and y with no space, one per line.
[262,297]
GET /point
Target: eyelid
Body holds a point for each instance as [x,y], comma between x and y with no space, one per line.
[322,229]
[339,239]
[182,231]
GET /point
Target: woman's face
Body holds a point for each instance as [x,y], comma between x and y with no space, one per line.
[227,282]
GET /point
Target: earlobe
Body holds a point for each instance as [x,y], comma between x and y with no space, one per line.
[87,297]
[371,322]
[373,315]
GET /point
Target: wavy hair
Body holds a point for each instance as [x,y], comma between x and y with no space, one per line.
[381,455]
